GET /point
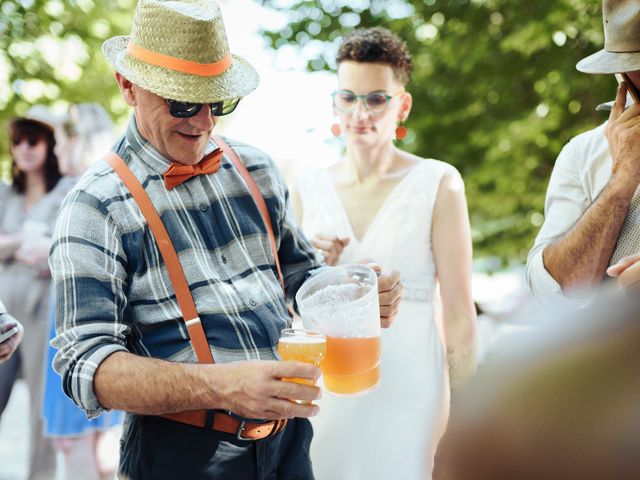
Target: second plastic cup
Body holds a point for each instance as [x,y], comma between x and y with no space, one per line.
[302,346]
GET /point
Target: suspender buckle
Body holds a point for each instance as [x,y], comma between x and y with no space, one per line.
[193,321]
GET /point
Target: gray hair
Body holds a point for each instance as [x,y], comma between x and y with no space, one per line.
[92,133]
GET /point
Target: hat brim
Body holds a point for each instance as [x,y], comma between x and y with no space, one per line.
[610,62]
[236,82]
[40,123]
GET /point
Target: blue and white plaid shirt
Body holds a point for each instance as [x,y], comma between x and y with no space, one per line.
[112,289]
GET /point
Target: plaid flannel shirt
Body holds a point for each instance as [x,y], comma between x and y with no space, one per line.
[112,289]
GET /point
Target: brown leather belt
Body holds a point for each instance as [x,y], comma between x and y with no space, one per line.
[223,422]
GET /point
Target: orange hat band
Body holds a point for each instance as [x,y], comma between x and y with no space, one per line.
[178,64]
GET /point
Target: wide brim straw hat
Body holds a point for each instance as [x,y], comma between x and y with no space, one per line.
[621,53]
[179,51]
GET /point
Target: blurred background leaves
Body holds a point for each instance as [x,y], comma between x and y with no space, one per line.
[50,53]
[495,88]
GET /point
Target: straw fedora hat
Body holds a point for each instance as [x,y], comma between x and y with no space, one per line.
[179,50]
[621,53]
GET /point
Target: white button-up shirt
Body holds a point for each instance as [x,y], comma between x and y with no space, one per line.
[581,172]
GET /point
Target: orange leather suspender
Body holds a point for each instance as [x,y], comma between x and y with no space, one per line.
[257,197]
[170,257]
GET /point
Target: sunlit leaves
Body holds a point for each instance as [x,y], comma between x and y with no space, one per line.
[50,52]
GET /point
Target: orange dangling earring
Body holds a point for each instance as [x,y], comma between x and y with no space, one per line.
[401,131]
[336,130]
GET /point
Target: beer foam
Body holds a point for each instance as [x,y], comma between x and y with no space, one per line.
[335,295]
[302,339]
[344,310]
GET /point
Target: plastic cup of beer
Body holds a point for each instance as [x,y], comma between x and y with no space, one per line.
[342,303]
[302,346]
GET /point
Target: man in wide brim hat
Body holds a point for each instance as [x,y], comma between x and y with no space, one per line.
[174,260]
[592,201]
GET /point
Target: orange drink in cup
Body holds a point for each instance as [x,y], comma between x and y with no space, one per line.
[302,346]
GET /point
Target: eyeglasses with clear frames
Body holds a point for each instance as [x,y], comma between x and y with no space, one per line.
[375,102]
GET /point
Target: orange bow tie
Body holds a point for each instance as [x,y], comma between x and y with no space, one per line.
[178,173]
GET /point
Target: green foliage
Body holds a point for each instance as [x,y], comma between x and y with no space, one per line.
[495,88]
[495,92]
[50,53]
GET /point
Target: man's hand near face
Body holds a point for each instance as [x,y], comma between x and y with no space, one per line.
[623,136]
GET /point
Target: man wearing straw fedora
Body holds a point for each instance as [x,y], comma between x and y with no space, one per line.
[173,260]
[593,204]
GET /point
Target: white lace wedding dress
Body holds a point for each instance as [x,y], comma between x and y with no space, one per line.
[390,433]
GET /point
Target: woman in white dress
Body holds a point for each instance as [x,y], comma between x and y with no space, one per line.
[408,213]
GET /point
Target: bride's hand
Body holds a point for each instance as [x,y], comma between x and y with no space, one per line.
[330,247]
[389,294]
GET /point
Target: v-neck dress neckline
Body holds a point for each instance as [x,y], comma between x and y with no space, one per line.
[386,205]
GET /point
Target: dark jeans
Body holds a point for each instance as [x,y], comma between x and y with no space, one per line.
[159,449]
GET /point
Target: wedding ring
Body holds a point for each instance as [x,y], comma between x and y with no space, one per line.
[319,255]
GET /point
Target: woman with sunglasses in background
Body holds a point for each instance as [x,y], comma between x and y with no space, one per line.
[410,214]
[28,209]
[89,447]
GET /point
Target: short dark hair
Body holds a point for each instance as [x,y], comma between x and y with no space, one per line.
[377,45]
[26,128]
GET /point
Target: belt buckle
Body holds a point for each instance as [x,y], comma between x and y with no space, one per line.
[276,428]
[241,428]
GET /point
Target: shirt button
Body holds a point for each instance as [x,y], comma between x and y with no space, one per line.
[224,259]
[202,207]
[252,302]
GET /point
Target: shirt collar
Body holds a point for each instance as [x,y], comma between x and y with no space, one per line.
[144,150]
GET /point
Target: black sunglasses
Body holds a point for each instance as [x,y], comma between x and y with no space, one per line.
[30,139]
[185,109]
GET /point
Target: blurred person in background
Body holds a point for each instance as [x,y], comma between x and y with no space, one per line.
[89,447]
[9,346]
[408,213]
[593,200]
[560,401]
[28,209]
[87,133]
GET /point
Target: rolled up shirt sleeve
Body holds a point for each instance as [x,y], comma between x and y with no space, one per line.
[87,261]
[566,202]
[540,281]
